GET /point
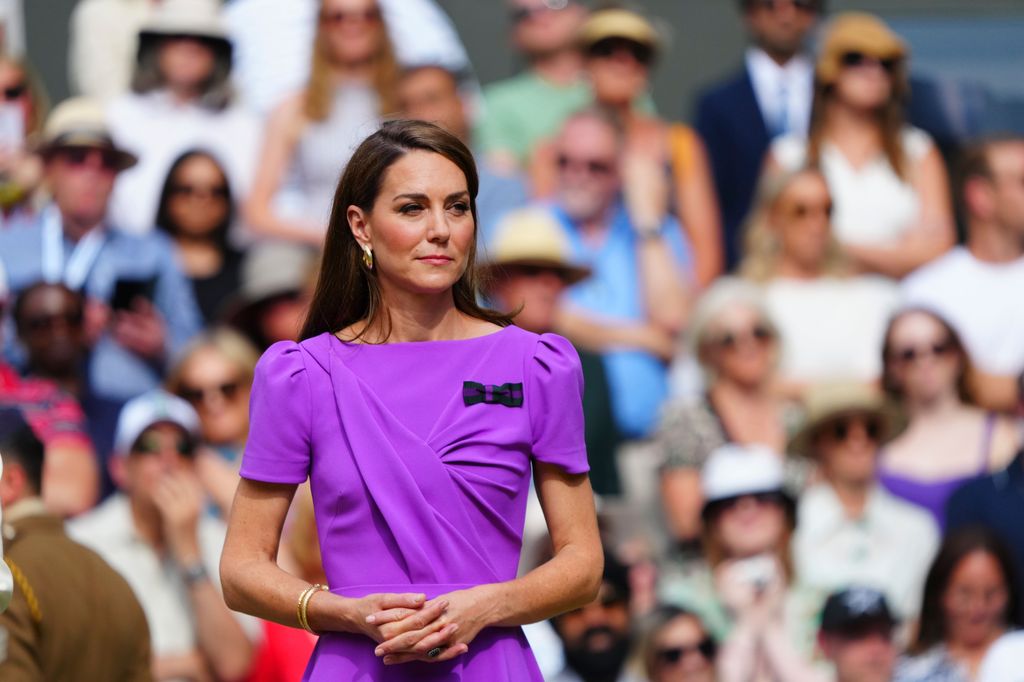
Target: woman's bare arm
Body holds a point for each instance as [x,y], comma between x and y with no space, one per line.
[698,212]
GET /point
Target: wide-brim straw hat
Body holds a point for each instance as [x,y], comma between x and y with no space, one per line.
[827,402]
[80,122]
[856,32]
[194,18]
[532,237]
[619,23]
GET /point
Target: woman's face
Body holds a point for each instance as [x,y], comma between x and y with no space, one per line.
[186,63]
[14,88]
[618,70]
[801,218]
[922,358]
[975,601]
[198,201]
[421,229]
[741,346]
[864,82]
[677,656]
[352,30]
[751,525]
[218,391]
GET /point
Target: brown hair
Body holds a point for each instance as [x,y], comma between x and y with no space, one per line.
[217,93]
[346,291]
[319,89]
[974,162]
[232,346]
[36,93]
[892,386]
[714,550]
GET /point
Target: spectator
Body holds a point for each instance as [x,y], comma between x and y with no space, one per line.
[678,649]
[24,108]
[214,375]
[532,106]
[737,347]
[597,638]
[72,616]
[620,48]
[311,134]
[196,210]
[857,635]
[103,44]
[154,533]
[769,96]
[271,303]
[970,600]
[181,99]
[971,285]
[949,441]
[893,211]
[431,93]
[830,319]
[850,530]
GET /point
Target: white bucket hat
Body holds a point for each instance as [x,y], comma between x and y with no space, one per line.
[734,470]
[151,408]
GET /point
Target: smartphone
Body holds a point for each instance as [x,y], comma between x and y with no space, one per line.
[126,290]
[758,571]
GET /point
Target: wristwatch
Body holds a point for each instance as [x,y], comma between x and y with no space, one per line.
[193,573]
[646,232]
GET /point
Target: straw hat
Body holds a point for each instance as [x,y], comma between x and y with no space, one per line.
[533,237]
[856,32]
[80,122]
[831,401]
[194,18]
[619,23]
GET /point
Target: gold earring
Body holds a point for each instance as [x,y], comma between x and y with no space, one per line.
[367,257]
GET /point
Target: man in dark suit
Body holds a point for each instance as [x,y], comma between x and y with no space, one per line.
[770,95]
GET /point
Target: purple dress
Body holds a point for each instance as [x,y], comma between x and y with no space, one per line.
[418,456]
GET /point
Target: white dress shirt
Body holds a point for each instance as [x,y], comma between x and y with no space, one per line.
[784,93]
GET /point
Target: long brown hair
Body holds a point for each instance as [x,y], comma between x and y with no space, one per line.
[346,291]
[893,387]
[320,88]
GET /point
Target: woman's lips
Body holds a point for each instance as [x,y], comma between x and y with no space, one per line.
[435,260]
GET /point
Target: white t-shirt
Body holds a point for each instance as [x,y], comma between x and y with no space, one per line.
[832,327]
[1003,661]
[783,92]
[873,205]
[983,301]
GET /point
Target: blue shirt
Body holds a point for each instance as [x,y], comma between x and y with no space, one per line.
[638,380]
[114,373]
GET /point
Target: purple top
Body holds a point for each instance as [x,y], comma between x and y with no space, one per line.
[419,478]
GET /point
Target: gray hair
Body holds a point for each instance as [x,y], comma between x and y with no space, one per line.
[725,293]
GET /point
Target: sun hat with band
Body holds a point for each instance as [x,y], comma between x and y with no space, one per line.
[733,471]
[150,408]
[827,402]
[852,32]
[622,24]
[532,237]
[79,123]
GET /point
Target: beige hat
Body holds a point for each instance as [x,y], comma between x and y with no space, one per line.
[80,122]
[619,23]
[826,402]
[532,237]
[856,32]
[198,18]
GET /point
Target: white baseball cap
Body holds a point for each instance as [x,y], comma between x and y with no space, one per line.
[734,470]
[151,408]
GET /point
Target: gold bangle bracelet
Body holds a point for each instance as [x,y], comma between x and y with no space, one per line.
[304,598]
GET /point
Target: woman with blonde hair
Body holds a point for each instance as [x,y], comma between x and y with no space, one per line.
[22,112]
[311,134]
[893,209]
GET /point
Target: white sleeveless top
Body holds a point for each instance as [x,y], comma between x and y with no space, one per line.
[873,205]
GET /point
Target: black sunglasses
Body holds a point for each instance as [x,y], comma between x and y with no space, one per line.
[343,17]
[15,92]
[839,430]
[195,395]
[609,46]
[79,156]
[855,59]
[762,498]
[802,5]
[672,655]
[195,191]
[147,444]
[731,340]
[592,166]
[45,323]
[911,354]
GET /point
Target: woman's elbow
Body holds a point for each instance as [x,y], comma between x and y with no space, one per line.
[590,581]
[229,583]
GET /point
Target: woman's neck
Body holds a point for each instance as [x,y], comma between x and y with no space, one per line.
[418,317]
[200,257]
[560,68]
[736,392]
[853,495]
[347,72]
[935,409]
[790,268]
[850,128]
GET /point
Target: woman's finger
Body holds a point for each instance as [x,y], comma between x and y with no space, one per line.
[442,638]
[388,600]
[379,618]
[407,641]
[446,655]
[416,621]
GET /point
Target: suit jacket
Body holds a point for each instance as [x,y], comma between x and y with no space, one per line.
[736,135]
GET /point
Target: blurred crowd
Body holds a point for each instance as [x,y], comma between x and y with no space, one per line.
[799,317]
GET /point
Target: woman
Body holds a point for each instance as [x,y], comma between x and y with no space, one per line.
[678,649]
[416,415]
[309,136]
[831,320]
[893,209]
[949,440]
[181,99]
[214,375]
[737,347]
[970,600]
[22,112]
[620,49]
[196,210]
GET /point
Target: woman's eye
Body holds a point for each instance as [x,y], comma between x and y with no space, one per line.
[410,208]
[460,208]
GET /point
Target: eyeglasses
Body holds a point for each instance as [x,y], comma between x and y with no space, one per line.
[339,17]
[14,92]
[151,444]
[731,340]
[200,191]
[859,59]
[840,429]
[672,655]
[196,395]
[77,157]
[911,354]
[801,211]
[608,47]
[810,6]
[47,322]
[520,14]
[591,166]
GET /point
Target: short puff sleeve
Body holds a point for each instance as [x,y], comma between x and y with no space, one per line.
[554,398]
[278,447]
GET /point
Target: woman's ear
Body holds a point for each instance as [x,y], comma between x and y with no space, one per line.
[358,222]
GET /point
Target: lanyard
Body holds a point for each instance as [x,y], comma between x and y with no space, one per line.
[75,270]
